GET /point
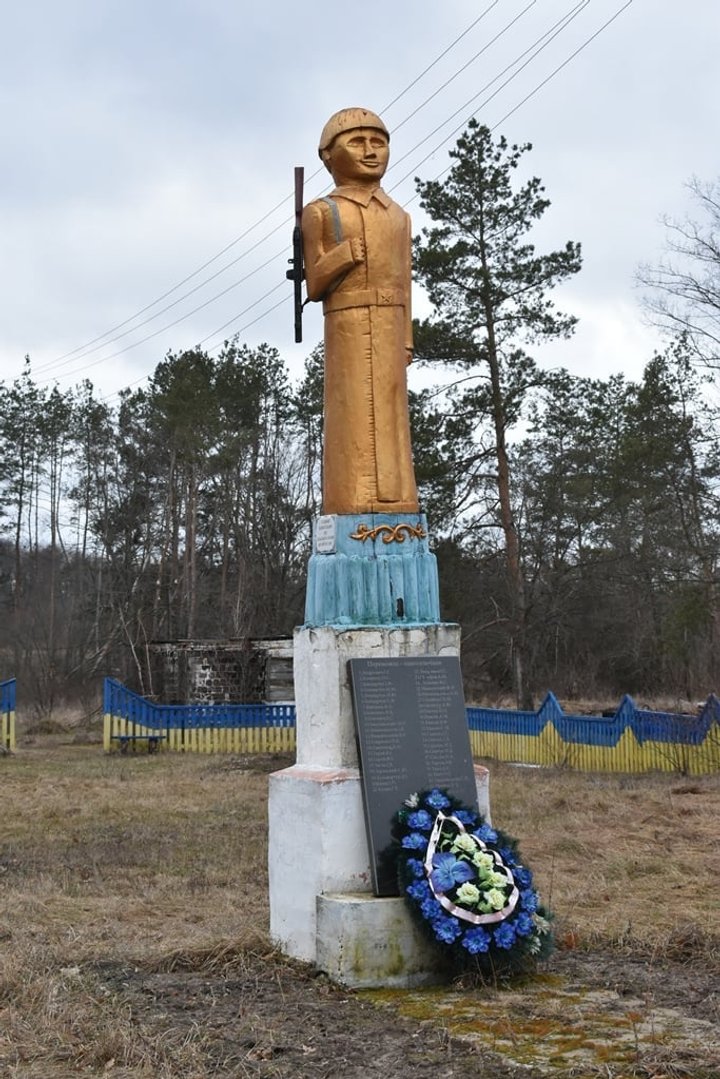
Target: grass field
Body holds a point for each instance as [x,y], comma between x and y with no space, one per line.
[112,863]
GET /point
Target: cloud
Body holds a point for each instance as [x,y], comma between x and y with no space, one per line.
[141,138]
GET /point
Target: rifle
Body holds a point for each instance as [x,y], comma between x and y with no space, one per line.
[297,273]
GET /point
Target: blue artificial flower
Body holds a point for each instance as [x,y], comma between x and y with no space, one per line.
[414,841]
[466,818]
[437,800]
[415,867]
[524,925]
[430,909]
[486,833]
[476,940]
[523,876]
[446,929]
[529,900]
[504,935]
[508,856]
[419,889]
[449,871]
[421,820]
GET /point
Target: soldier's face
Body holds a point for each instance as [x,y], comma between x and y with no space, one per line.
[360,155]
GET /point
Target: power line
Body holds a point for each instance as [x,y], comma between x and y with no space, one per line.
[534,50]
[527,97]
[571,14]
[438,58]
[563,64]
[184,281]
[258,318]
[247,325]
[156,333]
[217,296]
[538,45]
[209,262]
[467,64]
[99,343]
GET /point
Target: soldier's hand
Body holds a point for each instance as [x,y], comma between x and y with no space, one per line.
[358,249]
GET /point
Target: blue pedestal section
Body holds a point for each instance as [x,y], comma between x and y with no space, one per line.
[371,569]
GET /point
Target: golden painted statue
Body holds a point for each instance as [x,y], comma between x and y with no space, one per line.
[357,248]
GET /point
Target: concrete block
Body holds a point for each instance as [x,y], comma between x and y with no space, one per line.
[364,942]
[322,909]
[317,843]
[323,703]
[318,846]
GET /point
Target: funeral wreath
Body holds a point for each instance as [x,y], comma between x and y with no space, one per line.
[466,883]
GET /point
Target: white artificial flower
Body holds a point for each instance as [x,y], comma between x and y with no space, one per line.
[483,860]
[464,843]
[468,894]
[495,898]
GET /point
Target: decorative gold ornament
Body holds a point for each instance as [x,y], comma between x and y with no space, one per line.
[390,533]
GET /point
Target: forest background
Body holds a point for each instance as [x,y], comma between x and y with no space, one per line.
[185,510]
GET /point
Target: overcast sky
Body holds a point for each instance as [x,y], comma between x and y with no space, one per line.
[140,138]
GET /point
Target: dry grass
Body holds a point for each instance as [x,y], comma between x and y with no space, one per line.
[160,861]
[631,861]
[102,860]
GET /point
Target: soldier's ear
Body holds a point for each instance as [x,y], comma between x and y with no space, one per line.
[325,155]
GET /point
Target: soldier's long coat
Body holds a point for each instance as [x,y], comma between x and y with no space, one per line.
[367,458]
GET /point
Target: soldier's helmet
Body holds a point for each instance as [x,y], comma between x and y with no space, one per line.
[348,120]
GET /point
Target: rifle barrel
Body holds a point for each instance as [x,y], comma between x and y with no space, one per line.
[297,260]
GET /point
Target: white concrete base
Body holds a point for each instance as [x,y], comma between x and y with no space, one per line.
[323,700]
[318,849]
[369,943]
[318,845]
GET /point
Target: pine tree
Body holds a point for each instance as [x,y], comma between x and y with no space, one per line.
[489,289]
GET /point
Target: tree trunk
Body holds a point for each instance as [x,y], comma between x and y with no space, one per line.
[516,577]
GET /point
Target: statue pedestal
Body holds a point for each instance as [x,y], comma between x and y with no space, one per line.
[321,905]
[372,569]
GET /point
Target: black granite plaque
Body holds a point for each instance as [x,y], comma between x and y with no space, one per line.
[412,734]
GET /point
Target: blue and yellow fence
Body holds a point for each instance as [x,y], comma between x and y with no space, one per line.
[195,728]
[7,715]
[633,740]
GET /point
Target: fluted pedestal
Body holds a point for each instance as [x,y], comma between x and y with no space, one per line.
[372,569]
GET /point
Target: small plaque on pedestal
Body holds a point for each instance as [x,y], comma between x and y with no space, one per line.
[412,735]
[326,534]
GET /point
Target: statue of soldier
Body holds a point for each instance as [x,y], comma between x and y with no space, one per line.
[357,252]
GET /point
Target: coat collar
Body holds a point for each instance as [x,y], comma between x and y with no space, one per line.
[362,195]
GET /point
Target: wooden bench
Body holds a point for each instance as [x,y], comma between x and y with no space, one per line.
[125,740]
